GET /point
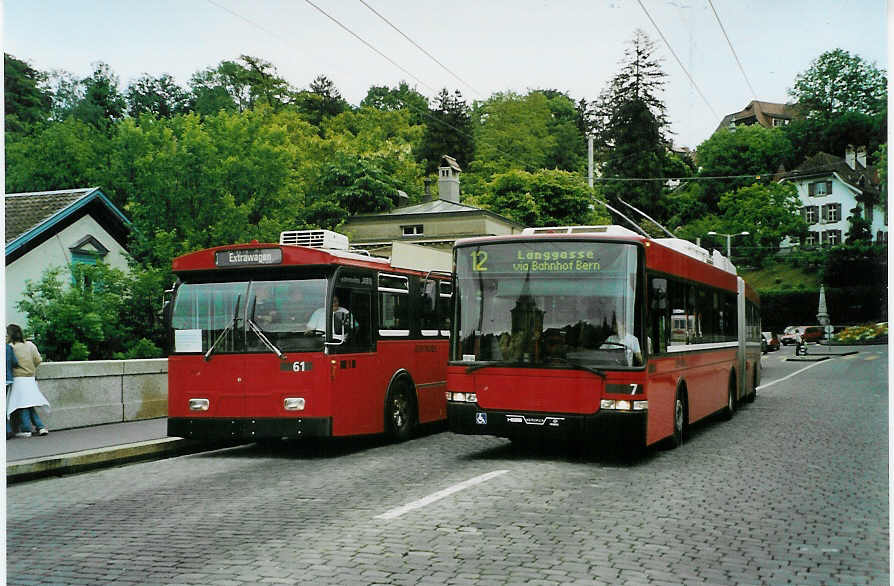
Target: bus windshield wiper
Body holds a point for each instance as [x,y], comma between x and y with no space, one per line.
[571,363]
[224,332]
[579,366]
[260,334]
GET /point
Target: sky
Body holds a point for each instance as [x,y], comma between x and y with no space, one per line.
[486,46]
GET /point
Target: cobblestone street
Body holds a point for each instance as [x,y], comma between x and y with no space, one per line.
[793,490]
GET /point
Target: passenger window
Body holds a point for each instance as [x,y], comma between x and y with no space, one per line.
[394,306]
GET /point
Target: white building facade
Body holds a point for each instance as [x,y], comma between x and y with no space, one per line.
[829,188]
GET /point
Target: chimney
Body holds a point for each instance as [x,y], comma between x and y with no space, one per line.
[861,155]
[850,157]
[448,179]
[426,196]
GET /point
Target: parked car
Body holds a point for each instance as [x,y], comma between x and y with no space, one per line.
[806,333]
[791,335]
[769,342]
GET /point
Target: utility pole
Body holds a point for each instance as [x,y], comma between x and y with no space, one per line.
[590,160]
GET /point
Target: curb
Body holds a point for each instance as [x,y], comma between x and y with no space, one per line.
[59,464]
[819,357]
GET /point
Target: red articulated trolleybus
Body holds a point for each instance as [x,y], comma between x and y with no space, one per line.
[597,330]
[307,338]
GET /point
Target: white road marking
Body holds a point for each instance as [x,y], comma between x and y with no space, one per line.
[397,512]
[779,380]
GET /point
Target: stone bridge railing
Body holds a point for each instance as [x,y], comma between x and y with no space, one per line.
[103,391]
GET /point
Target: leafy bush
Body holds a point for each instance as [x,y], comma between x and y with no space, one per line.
[94,312]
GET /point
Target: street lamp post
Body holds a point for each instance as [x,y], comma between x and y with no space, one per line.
[729,237]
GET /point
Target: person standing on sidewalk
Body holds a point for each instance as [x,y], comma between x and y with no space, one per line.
[25,395]
[11,363]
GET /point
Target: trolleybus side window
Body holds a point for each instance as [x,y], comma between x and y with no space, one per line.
[445,306]
[427,308]
[394,305]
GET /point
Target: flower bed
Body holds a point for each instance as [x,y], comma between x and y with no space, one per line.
[863,334]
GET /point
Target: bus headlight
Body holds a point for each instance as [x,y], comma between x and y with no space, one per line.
[462,397]
[199,404]
[293,403]
[617,405]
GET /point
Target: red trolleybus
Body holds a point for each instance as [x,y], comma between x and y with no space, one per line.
[597,329]
[306,338]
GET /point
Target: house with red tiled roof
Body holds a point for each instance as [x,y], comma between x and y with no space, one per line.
[59,228]
[767,114]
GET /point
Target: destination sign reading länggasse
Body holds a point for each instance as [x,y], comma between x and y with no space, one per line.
[242,258]
[584,260]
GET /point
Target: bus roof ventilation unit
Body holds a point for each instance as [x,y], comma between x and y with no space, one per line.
[606,230]
[314,239]
[697,252]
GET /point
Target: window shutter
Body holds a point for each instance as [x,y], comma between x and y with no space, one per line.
[828,188]
[811,189]
[804,213]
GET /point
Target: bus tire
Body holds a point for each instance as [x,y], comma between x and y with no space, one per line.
[678,435]
[400,411]
[750,397]
[730,408]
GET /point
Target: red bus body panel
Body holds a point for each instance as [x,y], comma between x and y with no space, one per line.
[705,372]
[349,388]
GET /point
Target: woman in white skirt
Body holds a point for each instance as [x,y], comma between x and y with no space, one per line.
[24,395]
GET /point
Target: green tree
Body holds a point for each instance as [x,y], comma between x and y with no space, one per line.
[632,128]
[192,183]
[61,155]
[159,96]
[546,197]
[357,185]
[838,82]
[513,131]
[858,228]
[397,98]
[321,101]
[27,101]
[75,313]
[448,131]
[750,150]
[768,213]
[832,135]
[239,85]
[94,100]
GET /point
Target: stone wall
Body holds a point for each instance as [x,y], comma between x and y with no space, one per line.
[103,391]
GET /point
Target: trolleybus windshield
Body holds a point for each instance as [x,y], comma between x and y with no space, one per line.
[247,316]
[549,303]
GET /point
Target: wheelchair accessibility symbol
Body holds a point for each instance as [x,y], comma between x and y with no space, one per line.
[481,418]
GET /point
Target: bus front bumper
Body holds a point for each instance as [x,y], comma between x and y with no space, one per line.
[248,428]
[626,426]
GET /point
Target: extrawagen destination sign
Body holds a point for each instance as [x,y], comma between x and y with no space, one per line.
[248,257]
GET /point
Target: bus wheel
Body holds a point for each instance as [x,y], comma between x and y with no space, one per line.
[730,408]
[679,419]
[400,412]
[750,397]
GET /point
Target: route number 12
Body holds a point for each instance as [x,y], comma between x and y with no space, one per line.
[478,260]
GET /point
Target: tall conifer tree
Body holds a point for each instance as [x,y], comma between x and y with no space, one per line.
[631,127]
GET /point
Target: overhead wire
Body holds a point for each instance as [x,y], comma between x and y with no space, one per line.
[730,43]
[680,63]
[427,114]
[415,44]
[368,44]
